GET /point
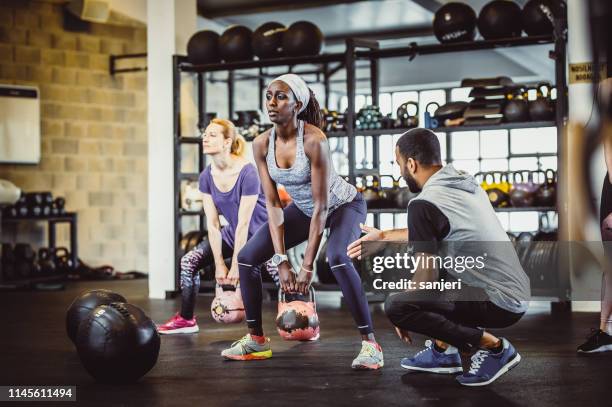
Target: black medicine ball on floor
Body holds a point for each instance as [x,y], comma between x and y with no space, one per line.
[82,306]
[301,39]
[455,22]
[203,48]
[538,17]
[235,44]
[500,19]
[268,40]
[118,343]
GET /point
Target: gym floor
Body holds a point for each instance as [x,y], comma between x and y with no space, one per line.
[189,371]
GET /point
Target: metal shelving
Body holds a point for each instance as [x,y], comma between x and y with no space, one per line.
[454,129]
[329,64]
[506,209]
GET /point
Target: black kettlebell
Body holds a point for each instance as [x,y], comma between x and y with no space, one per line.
[542,108]
[546,195]
[63,261]
[404,118]
[46,262]
[517,107]
[387,121]
[389,194]
[371,194]
[522,193]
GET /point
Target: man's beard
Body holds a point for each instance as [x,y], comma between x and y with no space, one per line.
[412,184]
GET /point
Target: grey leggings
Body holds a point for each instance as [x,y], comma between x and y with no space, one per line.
[195,260]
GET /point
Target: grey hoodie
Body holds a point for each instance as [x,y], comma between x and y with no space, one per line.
[475,231]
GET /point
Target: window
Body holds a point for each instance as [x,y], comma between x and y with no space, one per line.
[471,151]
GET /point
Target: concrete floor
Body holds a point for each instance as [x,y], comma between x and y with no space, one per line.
[35,350]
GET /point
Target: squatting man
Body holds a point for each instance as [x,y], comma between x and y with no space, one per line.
[452,207]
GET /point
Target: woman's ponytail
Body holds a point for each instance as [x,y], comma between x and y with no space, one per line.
[312,114]
[238,146]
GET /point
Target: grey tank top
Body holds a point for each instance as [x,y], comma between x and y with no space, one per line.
[297,179]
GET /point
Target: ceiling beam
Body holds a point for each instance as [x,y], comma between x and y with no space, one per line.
[224,8]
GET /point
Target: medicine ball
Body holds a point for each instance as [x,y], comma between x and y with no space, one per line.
[118,343]
[203,48]
[82,306]
[301,39]
[268,40]
[235,44]
[455,22]
[500,19]
[538,17]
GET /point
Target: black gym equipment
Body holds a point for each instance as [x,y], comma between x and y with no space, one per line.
[118,343]
[235,44]
[538,17]
[500,19]
[267,40]
[25,258]
[84,304]
[450,111]
[405,119]
[522,192]
[517,107]
[543,107]
[203,48]
[46,261]
[455,22]
[302,38]
[546,194]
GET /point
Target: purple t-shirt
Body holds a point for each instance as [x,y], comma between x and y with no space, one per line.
[228,203]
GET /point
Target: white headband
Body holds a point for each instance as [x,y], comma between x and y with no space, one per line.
[297,86]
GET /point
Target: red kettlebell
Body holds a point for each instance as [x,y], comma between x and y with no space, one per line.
[297,320]
[227,306]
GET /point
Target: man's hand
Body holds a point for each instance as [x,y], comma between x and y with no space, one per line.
[372,235]
[287,277]
[303,280]
[221,273]
[403,335]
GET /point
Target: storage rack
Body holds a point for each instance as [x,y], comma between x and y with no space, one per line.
[328,65]
[69,217]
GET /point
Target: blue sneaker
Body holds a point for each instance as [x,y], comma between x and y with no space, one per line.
[487,367]
[430,360]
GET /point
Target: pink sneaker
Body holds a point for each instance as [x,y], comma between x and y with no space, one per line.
[178,325]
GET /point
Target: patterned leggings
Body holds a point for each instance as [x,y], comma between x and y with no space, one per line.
[195,260]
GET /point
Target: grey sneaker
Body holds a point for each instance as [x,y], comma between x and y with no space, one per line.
[370,357]
[247,348]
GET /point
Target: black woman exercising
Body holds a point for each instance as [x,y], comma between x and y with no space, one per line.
[295,154]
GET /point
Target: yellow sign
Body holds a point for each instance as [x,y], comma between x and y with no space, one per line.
[583,72]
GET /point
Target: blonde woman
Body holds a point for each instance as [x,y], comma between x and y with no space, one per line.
[231,188]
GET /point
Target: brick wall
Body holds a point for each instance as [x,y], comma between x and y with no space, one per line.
[93,128]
